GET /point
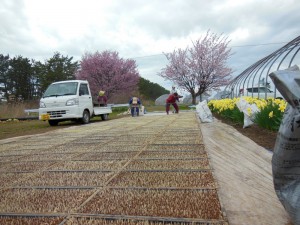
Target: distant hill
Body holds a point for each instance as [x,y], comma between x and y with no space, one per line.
[150,90]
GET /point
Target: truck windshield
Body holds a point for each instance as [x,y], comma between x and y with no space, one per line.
[60,89]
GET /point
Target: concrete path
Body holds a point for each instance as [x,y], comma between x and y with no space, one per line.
[244,174]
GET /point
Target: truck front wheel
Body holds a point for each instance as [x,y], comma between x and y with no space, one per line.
[53,122]
[85,117]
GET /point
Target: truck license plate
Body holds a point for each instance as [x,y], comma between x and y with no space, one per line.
[45,116]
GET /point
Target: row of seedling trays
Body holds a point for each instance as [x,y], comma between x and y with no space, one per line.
[191,204]
[159,179]
[137,164]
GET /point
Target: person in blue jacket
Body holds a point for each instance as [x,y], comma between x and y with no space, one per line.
[135,103]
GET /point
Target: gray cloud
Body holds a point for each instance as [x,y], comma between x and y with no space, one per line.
[143,30]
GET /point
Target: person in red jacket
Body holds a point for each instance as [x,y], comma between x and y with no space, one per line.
[171,100]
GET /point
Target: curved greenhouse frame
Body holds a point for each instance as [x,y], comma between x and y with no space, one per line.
[255,81]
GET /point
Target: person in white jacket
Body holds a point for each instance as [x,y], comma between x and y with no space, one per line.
[173,90]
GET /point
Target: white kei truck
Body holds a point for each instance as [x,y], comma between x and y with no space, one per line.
[69,100]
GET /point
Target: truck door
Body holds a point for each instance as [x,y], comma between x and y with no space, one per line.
[85,98]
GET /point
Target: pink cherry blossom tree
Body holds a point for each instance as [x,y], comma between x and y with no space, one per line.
[107,71]
[200,68]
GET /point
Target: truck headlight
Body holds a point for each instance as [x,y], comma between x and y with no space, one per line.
[42,104]
[73,101]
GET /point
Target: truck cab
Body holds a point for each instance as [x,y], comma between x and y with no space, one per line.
[69,100]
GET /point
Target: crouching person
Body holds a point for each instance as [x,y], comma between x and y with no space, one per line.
[135,103]
[171,100]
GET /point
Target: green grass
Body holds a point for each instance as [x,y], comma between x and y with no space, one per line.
[26,127]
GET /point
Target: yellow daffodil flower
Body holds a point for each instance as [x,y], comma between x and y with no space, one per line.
[271,114]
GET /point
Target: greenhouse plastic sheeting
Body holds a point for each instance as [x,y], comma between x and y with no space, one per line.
[249,116]
[204,112]
[162,99]
[286,157]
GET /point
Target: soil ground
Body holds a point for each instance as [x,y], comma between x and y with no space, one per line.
[260,136]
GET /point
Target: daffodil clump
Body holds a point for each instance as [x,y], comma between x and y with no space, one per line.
[227,108]
[269,116]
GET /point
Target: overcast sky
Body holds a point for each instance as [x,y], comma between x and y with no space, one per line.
[143,29]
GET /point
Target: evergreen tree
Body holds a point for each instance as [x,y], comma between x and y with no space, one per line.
[151,90]
[19,77]
[57,68]
[4,66]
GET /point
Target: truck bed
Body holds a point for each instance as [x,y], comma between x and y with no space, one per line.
[102,110]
